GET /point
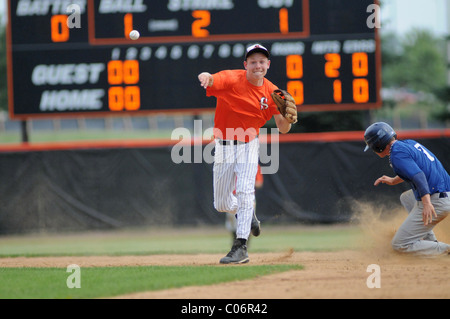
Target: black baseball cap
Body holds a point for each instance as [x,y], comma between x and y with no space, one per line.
[257,48]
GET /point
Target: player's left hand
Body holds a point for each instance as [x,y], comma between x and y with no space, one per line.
[285,103]
[428,213]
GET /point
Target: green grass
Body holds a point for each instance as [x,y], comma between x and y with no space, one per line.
[99,282]
[85,135]
[174,241]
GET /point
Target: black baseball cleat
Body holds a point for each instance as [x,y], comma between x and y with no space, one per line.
[237,255]
[256,226]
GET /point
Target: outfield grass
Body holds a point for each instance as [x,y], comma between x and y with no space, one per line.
[76,135]
[173,241]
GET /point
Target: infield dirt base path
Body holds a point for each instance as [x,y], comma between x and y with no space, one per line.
[328,275]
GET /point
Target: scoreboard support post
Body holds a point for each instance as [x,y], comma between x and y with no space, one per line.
[24,131]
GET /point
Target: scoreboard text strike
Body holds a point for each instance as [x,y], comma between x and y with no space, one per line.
[75,57]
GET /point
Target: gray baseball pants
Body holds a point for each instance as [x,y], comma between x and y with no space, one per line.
[415,237]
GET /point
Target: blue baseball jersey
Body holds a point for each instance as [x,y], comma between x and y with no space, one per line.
[409,158]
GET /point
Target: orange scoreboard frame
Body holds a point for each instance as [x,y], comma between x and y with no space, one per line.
[77,59]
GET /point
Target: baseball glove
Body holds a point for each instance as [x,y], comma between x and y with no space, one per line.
[286,105]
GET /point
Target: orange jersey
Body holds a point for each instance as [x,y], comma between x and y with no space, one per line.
[242,108]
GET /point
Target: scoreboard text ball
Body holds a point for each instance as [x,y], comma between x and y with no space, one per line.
[76,57]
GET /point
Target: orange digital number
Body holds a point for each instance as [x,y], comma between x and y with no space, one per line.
[127,24]
[203,20]
[360,90]
[123,72]
[294,66]
[120,98]
[130,72]
[115,72]
[337,91]
[115,98]
[296,89]
[284,20]
[332,65]
[59,28]
[360,64]
[132,98]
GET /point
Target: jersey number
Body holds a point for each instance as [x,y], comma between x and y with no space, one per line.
[420,148]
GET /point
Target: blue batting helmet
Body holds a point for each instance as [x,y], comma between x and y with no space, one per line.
[378,135]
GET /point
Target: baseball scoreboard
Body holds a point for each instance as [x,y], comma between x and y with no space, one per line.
[75,57]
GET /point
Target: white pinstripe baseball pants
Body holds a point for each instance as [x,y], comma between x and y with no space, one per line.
[235,167]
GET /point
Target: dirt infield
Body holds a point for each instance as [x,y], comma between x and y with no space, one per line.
[340,274]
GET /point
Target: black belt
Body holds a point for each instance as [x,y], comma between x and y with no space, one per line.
[231,142]
[443,195]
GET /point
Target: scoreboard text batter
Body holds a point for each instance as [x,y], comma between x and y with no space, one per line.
[71,57]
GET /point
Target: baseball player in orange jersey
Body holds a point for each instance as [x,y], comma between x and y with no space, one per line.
[244,105]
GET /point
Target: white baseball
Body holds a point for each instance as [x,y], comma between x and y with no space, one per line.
[134,35]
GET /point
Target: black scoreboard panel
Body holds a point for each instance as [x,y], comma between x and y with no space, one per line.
[75,57]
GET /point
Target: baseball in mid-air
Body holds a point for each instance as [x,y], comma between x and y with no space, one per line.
[134,35]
